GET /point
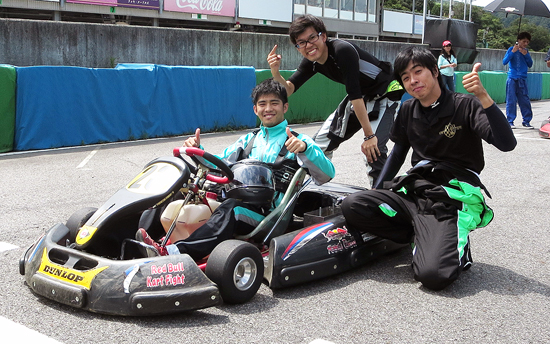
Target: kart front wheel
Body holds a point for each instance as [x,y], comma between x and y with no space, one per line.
[77,220]
[237,268]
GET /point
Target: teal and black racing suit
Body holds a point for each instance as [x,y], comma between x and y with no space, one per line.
[235,217]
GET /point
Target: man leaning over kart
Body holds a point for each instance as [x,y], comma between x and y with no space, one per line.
[372,99]
[274,136]
[439,201]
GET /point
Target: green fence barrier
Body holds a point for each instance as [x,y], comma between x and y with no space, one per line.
[7,107]
[545,85]
[494,83]
[314,101]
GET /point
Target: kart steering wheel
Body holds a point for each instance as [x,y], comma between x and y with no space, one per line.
[194,153]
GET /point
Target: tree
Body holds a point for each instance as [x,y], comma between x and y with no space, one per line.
[496,30]
[540,36]
[489,34]
[407,5]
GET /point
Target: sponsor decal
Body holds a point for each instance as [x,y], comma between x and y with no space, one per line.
[130,273]
[166,275]
[304,237]
[345,240]
[450,130]
[85,234]
[394,86]
[80,278]
[367,236]
[341,246]
[164,199]
[336,234]
[36,248]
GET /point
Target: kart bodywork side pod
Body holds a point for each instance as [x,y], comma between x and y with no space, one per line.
[321,250]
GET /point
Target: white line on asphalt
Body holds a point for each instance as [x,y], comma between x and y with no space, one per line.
[85,161]
[24,334]
[530,138]
[4,246]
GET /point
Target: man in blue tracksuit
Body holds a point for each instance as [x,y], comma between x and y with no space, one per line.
[236,217]
[519,61]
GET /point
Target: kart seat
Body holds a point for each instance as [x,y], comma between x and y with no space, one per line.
[276,222]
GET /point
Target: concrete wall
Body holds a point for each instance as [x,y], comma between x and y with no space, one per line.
[34,43]
[491,59]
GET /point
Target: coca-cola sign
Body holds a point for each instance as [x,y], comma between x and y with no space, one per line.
[216,7]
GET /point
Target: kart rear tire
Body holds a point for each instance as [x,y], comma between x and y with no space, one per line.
[77,220]
[237,268]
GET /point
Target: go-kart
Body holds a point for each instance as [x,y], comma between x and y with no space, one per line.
[544,130]
[92,261]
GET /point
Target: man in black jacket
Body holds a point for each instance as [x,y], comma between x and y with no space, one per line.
[439,201]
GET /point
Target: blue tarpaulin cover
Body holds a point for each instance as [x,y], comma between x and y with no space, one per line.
[68,106]
[534,85]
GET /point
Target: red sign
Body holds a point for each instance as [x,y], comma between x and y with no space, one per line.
[215,7]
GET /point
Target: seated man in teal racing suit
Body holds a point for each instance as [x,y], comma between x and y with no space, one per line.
[265,145]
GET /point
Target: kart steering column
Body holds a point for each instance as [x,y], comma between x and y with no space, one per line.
[193,189]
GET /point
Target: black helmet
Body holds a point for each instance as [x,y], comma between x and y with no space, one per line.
[252,183]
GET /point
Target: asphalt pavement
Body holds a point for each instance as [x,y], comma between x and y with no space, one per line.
[503,298]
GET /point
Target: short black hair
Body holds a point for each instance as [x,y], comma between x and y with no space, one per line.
[523,35]
[300,24]
[419,56]
[269,86]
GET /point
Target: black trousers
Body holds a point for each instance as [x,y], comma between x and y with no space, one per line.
[439,254]
[381,116]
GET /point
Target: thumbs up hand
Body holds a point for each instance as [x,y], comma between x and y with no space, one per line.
[294,144]
[471,81]
[472,84]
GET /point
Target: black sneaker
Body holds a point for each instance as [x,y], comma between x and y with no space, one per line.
[527,126]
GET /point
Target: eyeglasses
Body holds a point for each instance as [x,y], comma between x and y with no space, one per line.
[312,39]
